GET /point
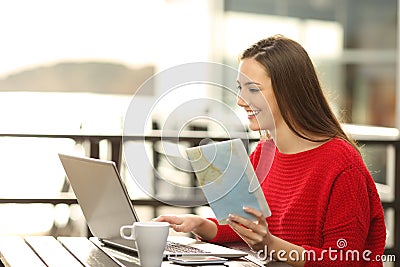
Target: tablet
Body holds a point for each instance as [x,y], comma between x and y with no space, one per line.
[197,260]
[227,179]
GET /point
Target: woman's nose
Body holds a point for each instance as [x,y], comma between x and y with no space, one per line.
[241,102]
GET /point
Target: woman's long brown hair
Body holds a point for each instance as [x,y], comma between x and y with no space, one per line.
[297,89]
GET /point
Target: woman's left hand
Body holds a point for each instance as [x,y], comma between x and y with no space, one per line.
[254,233]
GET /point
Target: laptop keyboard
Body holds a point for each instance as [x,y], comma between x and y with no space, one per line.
[181,248]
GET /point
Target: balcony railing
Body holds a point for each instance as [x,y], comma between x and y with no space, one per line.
[115,152]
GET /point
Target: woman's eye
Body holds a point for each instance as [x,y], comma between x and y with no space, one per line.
[254,90]
[239,87]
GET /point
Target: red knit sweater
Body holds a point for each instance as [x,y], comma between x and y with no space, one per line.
[324,200]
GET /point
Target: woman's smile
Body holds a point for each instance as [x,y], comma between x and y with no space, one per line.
[251,114]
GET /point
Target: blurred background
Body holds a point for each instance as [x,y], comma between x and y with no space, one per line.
[72,68]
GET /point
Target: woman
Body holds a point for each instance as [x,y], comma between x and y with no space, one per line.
[325,207]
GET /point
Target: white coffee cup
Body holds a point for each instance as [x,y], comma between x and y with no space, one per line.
[151,239]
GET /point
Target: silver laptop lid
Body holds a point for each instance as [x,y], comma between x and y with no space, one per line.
[101,194]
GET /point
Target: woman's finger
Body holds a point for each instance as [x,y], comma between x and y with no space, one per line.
[253,211]
[169,218]
[245,227]
[240,220]
[257,227]
[247,235]
[256,213]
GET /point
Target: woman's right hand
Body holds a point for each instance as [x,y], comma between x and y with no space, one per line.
[186,223]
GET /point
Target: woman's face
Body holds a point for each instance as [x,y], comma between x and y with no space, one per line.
[256,96]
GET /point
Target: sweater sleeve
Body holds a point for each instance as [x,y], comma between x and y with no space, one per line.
[225,234]
[348,224]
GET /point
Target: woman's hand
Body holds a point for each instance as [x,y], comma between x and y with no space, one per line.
[257,236]
[186,223]
[181,223]
[254,233]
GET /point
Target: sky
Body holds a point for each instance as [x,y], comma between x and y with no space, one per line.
[47,31]
[135,32]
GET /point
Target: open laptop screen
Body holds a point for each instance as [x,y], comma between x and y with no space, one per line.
[101,194]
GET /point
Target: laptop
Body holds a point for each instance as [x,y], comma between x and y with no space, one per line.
[106,206]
